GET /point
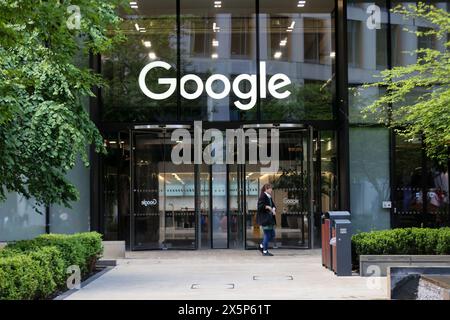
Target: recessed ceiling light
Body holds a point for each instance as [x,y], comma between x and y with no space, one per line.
[277,55]
[214,56]
[332,54]
[152,55]
[137,27]
[215,43]
[147,44]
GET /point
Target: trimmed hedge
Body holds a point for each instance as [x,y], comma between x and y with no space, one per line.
[411,241]
[36,269]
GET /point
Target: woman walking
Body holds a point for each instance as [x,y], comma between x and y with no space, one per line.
[266,218]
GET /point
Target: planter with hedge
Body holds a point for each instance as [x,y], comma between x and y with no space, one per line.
[408,246]
[36,269]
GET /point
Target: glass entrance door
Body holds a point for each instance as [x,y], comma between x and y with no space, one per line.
[189,206]
[292,191]
[162,195]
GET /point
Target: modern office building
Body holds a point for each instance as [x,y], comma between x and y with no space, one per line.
[331,157]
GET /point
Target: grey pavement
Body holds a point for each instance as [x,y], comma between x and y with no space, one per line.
[225,275]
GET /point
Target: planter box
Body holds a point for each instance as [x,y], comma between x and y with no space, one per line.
[113,250]
[376,265]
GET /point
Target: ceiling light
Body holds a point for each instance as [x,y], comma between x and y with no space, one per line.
[214,56]
[152,56]
[292,25]
[215,27]
[277,55]
[217,4]
[215,43]
[332,54]
[283,42]
[147,44]
[137,27]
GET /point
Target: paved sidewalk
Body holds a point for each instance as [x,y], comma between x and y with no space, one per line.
[227,274]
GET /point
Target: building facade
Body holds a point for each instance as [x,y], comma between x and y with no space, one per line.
[331,156]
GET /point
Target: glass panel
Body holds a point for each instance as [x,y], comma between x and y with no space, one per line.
[437,196]
[290,193]
[148,190]
[74,219]
[367,54]
[236,223]
[369,178]
[151,32]
[19,220]
[421,187]
[204,203]
[164,195]
[116,182]
[408,182]
[217,40]
[328,165]
[298,42]
[219,206]
[179,199]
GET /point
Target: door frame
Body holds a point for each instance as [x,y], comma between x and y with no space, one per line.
[142,130]
[241,193]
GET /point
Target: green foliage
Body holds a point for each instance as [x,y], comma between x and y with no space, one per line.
[36,269]
[44,126]
[417,97]
[79,249]
[19,277]
[411,241]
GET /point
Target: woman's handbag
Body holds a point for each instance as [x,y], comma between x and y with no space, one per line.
[265,219]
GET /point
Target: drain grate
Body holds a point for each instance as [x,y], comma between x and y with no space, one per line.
[228,286]
[274,278]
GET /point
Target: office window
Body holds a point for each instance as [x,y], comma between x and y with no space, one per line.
[354,43]
[382,49]
[240,38]
[315,41]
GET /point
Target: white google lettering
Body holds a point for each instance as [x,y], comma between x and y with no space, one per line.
[275,84]
[147,203]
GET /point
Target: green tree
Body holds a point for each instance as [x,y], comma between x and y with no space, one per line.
[416,97]
[44,126]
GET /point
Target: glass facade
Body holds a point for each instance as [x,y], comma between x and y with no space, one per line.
[137,194]
[231,40]
[383,165]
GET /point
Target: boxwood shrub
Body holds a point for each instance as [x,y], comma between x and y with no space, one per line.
[411,241]
[36,269]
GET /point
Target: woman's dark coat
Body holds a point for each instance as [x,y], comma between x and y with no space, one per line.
[264,217]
